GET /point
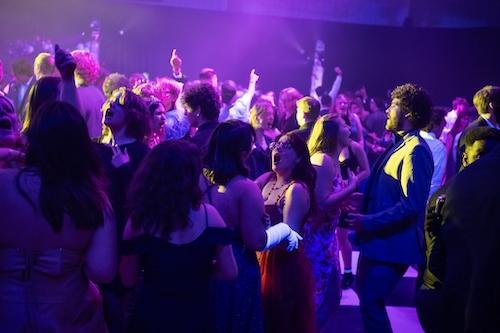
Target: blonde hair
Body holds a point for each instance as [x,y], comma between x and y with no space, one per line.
[259,108]
[324,134]
[44,65]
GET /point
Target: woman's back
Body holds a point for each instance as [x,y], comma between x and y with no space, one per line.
[43,286]
[240,204]
[24,226]
[226,200]
[189,252]
[238,303]
[177,273]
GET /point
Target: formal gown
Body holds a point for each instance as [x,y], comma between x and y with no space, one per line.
[238,303]
[321,249]
[175,293]
[287,285]
[47,291]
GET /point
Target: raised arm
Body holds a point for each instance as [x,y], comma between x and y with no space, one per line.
[241,108]
[66,66]
[336,84]
[176,64]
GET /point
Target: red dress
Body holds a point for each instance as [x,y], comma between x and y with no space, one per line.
[287,287]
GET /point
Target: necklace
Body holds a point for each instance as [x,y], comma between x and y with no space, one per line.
[276,188]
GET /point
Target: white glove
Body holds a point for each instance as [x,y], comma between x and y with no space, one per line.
[293,240]
[279,232]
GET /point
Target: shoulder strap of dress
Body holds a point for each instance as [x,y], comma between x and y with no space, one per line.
[206,215]
[282,196]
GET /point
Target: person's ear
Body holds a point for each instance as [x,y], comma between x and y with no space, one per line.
[197,112]
[410,116]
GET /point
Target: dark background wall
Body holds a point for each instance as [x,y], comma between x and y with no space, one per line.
[448,62]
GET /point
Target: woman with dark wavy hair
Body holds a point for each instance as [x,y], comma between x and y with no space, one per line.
[238,200]
[181,242]
[287,283]
[58,233]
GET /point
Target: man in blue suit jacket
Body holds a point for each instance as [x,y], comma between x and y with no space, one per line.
[388,233]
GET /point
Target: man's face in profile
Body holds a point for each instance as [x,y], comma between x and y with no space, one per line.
[474,152]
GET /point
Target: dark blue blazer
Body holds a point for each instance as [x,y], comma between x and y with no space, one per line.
[395,199]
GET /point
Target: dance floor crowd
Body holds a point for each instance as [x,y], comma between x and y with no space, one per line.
[176,204]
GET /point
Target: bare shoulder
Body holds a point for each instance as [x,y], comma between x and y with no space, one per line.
[214,218]
[263,179]
[243,186]
[322,160]
[299,190]
[356,147]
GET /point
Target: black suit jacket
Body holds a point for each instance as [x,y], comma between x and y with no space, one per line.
[471,235]
[20,104]
[304,131]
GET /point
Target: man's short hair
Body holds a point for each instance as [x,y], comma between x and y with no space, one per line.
[485,96]
[437,118]
[114,81]
[22,67]
[415,102]
[491,136]
[202,95]
[227,91]
[312,112]
[206,74]
[44,65]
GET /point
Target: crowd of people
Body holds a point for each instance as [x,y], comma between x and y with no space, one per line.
[138,205]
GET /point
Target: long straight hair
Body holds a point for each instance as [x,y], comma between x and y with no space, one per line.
[61,152]
[324,134]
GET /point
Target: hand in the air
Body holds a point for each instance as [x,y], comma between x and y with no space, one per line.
[65,63]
